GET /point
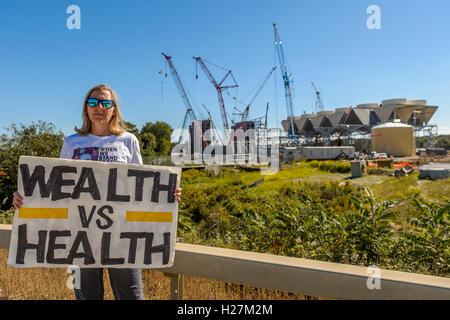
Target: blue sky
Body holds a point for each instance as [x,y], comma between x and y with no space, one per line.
[46,69]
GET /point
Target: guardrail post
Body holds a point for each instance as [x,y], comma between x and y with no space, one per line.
[176,285]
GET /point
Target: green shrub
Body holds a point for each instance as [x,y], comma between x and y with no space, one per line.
[331,166]
[6,216]
[427,243]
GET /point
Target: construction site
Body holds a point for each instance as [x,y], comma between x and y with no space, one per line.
[388,128]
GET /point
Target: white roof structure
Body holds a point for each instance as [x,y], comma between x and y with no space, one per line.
[366,116]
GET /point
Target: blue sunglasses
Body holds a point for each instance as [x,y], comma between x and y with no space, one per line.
[107,104]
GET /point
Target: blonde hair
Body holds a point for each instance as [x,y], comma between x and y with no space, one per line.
[116,124]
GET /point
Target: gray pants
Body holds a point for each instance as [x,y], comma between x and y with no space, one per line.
[125,283]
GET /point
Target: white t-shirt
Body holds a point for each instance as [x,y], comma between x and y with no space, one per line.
[112,148]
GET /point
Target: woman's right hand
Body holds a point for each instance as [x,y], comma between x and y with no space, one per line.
[17,200]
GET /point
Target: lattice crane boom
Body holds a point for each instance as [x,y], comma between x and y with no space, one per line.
[319,99]
[245,113]
[189,111]
[287,81]
[180,87]
[219,88]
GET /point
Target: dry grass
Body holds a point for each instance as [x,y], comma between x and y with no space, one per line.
[50,284]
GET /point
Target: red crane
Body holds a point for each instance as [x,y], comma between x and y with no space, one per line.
[219,87]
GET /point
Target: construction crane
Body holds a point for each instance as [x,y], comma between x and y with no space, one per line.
[265,121]
[212,125]
[244,114]
[219,88]
[209,114]
[342,122]
[319,101]
[287,81]
[189,111]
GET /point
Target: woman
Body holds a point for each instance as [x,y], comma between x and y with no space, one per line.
[103,127]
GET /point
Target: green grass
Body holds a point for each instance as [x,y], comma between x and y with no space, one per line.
[385,188]
[272,183]
[434,190]
[396,189]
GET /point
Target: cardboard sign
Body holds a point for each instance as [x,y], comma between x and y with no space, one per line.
[94,214]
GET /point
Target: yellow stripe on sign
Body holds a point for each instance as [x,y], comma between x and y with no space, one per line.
[43,213]
[143,216]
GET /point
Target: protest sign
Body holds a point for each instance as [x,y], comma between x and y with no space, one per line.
[94,214]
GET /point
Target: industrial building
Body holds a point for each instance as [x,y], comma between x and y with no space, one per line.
[361,119]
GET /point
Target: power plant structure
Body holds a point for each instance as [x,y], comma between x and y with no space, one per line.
[327,127]
[391,124]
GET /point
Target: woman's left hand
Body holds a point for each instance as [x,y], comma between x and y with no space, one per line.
[177,194]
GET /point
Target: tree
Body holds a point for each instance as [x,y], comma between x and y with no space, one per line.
[442,141]
[131,128]
[38,139]
[162,132]
[148,143]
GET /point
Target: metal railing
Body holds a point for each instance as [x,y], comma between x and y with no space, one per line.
[308,277]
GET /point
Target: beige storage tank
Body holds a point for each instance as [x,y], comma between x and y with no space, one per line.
[394,138]
[388,102]
[417,102]
[325,113]
[367,106]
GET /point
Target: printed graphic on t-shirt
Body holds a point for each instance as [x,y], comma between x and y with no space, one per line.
[90,153]
[108,154]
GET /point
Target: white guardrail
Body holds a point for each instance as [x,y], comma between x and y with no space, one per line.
[308,277]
